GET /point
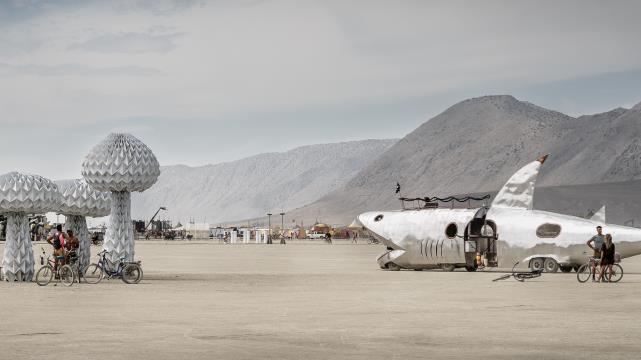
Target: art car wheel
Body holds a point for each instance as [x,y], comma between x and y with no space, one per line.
[550,265]
[470,268]
[536,264]
[448,267]
[393,267]
[565,269]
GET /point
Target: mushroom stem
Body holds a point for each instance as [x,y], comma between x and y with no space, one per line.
[18,262]
[119,239]
[78,224]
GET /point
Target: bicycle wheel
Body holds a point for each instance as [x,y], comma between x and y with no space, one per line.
[93,274]
[584,273]
[66,275]
[132,274]
[617,273]
[44,275]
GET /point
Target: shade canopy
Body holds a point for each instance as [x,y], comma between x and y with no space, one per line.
[79,198]
[27,193]
[121,162]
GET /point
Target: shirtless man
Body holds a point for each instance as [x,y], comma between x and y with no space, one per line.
[595,243]
[72,244]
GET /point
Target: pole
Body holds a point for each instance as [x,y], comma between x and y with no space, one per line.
[282,227]
[269,234]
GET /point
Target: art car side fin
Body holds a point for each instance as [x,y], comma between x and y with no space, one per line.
[599,215]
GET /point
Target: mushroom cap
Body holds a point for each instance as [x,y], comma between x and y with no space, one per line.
[26,193]
[121,162]
[78,198]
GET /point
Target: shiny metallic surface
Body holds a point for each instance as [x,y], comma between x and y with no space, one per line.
[416,239]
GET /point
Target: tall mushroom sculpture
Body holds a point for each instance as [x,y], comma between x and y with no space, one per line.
[22,194]
[120,164]
[78,201]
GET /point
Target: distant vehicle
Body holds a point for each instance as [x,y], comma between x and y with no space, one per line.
[316,235]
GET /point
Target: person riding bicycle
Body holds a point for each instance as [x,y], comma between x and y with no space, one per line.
[607,257]
[595,243]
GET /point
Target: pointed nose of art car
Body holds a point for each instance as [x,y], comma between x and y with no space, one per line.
[378,226]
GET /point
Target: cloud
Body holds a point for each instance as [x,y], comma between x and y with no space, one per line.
[131,43]
[74,70]
[157,7]
[10,47]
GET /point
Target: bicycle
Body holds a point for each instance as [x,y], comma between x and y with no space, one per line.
[584,272]
[520,276]
[129,271]
[75,266]
[45,274]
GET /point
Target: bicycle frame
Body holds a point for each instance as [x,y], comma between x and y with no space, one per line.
[107,266]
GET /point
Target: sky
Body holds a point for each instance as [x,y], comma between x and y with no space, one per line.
[203,82]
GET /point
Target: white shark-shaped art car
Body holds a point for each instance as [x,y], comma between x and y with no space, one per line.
[507,231]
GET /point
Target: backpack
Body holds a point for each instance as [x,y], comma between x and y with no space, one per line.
[58,241]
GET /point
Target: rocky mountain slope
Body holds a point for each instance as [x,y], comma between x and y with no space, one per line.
[475,145]
[253,186]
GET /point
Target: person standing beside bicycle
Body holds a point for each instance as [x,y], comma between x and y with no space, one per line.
[596,243]
[607,257]
[72,244]
[57,240]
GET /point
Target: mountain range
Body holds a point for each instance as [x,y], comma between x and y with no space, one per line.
[476,145]
[253,186]
[472,147]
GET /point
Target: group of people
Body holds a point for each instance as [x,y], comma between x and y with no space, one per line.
[603,248]
[65,246]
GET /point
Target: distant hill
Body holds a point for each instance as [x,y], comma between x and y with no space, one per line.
[475,145]
[253,186]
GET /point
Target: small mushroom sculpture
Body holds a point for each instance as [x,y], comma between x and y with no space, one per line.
[120,164]
[78,201]
[22,194]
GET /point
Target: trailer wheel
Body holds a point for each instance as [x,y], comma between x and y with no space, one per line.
[536,264]
[565,269]
[550,265]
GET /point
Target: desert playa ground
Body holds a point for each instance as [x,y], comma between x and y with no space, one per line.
[202,300]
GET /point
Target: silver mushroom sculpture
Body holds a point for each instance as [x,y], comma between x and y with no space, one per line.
[80,200]
[20,195]
[120,164]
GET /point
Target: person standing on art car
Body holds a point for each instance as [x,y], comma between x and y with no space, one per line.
[595,243]
[607,257]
